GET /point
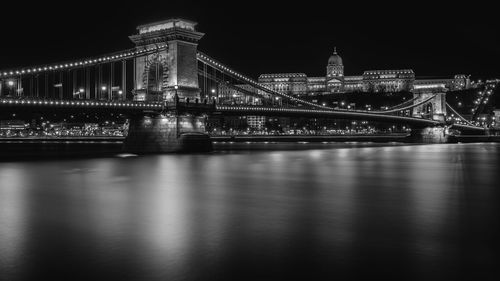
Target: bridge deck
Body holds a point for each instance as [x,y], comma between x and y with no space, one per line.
[207,108]
[318,113]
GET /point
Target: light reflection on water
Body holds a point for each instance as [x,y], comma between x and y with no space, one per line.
[281,211]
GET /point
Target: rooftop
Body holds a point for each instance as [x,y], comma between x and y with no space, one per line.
[389,71]
[282,75]
[166,24]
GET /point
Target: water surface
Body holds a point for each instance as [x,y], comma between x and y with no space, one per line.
[281,212]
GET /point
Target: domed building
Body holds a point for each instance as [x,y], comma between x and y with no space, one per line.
[334,73]
[335,68]
[391,80]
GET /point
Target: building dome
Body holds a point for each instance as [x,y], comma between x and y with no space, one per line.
[335,59]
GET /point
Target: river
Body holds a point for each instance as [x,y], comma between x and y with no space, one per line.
[255,212]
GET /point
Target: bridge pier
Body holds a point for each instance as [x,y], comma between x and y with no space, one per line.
[438,134]
[164,134]
[167,75]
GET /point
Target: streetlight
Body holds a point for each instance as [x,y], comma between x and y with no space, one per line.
[77,93]
[103,92]
[10,84]
[213,97]
[176,97]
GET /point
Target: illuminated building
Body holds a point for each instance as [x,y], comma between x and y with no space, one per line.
[334,73]
[256,122]
[289,83]
[458,82]
[237,94]
[496,118]
[388,80]
[316,85]
[10,128]
[395,80]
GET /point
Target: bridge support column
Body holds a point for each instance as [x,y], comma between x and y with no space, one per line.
[163,134]
[161,75]
[430,135]
[434,109]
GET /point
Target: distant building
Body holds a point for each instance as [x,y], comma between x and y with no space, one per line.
[289,83]
[388,80]
[14,125]
[298,84]
[496,118]
[256,122]
[237,94]
[12,128]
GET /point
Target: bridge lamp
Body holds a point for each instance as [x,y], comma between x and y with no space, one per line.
[213,91]
[103,88]
[10,83]
[120,92]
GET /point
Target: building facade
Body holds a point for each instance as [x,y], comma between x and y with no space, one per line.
[289,83]
[395,80]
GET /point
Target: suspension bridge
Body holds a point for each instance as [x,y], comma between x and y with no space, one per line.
[166,87]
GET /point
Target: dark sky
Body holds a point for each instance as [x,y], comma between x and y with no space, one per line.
[267,36]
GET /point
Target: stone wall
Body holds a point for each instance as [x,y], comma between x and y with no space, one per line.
[167,134]
[430,135]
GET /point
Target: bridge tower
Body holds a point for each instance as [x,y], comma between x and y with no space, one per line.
[168,74]
[435,109]
[173,69]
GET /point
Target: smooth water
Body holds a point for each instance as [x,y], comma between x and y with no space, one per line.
[281,212]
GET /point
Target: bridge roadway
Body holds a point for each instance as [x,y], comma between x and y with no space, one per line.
[80,105]
[336,114]
[321,113]
[201,108]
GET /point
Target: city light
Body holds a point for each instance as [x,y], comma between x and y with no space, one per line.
[10,83]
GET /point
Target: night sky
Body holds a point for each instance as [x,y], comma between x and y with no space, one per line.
[257,37]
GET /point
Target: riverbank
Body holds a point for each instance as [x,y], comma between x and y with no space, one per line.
[14,150]
[20,148]
[296,138]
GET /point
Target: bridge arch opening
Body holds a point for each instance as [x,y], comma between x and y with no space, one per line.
[154,80]
[429,109]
